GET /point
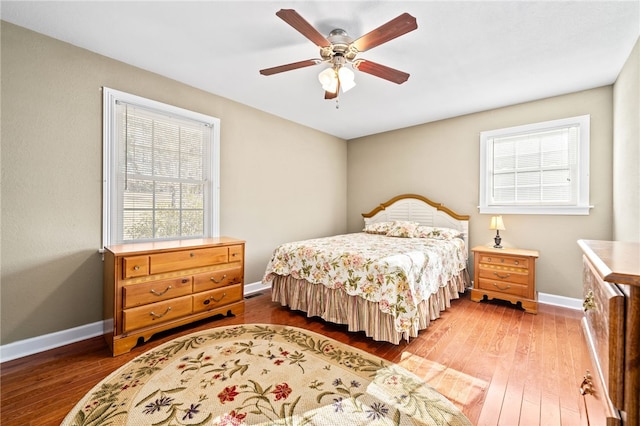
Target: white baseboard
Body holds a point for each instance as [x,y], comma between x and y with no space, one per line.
[43,343]
[255,288]
[562,301]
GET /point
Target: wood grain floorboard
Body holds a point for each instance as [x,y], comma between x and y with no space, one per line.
[498,364]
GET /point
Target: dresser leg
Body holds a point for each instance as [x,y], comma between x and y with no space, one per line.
[530,306]
[476,295]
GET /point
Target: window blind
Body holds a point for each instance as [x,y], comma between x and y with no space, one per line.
[536,168]
[161,171]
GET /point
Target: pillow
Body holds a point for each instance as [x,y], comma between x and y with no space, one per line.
[378,228]
[403,229]
[436,233]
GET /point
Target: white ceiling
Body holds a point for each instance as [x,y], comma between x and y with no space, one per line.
[464,57]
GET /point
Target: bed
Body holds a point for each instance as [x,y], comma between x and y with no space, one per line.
[390,280]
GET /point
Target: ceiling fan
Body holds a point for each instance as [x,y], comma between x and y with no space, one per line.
[338,49]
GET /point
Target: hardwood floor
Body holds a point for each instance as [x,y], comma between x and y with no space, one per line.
[498,364]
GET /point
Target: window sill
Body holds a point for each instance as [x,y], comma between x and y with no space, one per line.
[550,210]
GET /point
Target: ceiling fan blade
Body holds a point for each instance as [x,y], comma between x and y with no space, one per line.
[289,67]
[381,71]
[294,19]
[330,95]
[392,29]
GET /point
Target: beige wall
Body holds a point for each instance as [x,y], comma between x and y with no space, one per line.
[440,160]
[626,150]
[52,178]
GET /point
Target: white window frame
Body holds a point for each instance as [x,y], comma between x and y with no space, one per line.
[110,163]
[580,207]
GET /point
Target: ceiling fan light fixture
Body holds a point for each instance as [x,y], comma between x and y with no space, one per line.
[329,80]
[347,79]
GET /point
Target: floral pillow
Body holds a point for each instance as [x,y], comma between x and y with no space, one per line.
[436,233]
[403,229]
[378,228]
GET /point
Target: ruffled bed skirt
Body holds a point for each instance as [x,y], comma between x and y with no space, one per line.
[336,306]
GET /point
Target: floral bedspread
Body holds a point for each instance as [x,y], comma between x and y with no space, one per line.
[397,273]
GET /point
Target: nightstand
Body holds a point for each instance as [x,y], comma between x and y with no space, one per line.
[506,274]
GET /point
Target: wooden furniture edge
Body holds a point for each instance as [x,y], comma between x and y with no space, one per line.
[170,245]
[603,269]
[507,251]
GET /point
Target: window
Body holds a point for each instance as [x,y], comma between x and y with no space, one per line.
[160,171]
[540,168]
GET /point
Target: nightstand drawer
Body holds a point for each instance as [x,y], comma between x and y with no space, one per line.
[502,274]
[504,287]
[508,261]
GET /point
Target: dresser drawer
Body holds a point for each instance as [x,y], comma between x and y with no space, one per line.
[598,406]
[507,261]
[186,259]
[504,287]
[236,253]
[216,279]
[216,298]
[144,316]
[156,291]
[604,323]
[135,266]
[498,273]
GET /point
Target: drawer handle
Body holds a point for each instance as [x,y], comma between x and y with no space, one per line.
[589,302]
[502,288]
[586,387]
[516,262]
[192,254]
[152,291]
[206,302]
[221,279]
[502,277]
[136,268]
[153,314]
[234,254]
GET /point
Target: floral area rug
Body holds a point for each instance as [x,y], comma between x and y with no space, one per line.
[262,374]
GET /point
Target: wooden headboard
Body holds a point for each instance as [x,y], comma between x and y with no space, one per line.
[419,209]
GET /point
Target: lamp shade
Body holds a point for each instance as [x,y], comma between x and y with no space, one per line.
[337,77]
[497,223]
[329,80]
[346,79]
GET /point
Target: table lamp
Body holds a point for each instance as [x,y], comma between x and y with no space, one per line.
[498,225]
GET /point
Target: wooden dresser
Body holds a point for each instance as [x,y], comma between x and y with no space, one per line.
[611,327]
[152,287]
[506,274]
